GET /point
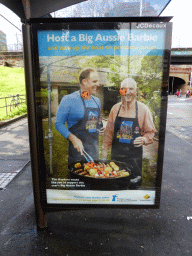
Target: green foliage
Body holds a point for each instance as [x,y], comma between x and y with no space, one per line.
[149,83]
[146,70]
[43,95]
[95,62]
[115,76]
[148,174]
[154,105]
[117,67]
[150,76]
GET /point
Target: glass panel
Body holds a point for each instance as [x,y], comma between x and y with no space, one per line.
[111,78]
[114,8]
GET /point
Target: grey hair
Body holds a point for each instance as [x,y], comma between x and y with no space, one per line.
[127,81]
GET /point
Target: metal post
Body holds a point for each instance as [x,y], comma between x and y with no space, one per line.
[172,85]
[141,8]
[6,106]
[50,134]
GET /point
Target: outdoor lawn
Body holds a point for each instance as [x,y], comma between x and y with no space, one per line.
[12,82]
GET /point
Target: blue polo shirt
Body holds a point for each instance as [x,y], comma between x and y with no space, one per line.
[71,111]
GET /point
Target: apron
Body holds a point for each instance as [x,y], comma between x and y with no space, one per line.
[126,130]
[86,131]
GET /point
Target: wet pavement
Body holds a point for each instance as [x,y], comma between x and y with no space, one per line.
[14,154]
[9,170]
[14,140]
[116,232]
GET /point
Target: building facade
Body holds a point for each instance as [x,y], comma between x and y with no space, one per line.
[3,41]
[131,9]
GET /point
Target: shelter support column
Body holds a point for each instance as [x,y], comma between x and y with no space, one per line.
[40,213]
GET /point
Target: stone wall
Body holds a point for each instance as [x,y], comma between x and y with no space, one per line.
[14,59]
[182,72]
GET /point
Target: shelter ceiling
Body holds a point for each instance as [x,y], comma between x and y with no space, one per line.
[27,9]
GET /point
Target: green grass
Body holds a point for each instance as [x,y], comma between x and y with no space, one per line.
[14,113]
[12,82]
[59,150]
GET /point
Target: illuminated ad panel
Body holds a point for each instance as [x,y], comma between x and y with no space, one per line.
[98,96]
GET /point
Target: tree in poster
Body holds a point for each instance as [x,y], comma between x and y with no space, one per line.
[147,71]
[149,83]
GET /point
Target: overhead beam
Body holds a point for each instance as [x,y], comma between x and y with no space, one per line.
[39,8]
[181,60]
[15,6]
[27,9]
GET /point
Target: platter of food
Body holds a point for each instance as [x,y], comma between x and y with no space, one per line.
[103,174]
[101,170]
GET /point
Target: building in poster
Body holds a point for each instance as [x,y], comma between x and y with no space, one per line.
[80,70]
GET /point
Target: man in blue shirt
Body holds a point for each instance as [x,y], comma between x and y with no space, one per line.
[81,111]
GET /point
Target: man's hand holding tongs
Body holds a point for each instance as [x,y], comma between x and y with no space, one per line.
[77,143]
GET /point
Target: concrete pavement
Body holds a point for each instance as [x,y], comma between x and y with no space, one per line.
[123,232]
[14,140]
[179,121]
[14,154]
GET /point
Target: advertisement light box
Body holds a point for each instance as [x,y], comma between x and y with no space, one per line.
[100,93]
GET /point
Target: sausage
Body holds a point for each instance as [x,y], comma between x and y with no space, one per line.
[78,171]
[83,173]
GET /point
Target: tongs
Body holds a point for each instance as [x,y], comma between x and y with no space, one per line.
[87,156]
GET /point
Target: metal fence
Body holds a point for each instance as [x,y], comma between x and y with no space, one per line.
[11,102]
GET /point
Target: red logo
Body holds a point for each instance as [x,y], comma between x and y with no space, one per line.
[85,94]
[123,91]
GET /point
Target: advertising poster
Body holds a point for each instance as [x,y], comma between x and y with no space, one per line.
[98,102]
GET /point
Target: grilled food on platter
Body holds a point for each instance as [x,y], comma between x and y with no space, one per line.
[108,169]
[78,165]
[100,170]
[124,174]
[114,166]
[92,172]
[86,167]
